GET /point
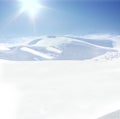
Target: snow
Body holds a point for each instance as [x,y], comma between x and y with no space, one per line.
[108,56]
[112,115]
[47,41]
[59,89]
[57,48]
[36,53]
[78,77]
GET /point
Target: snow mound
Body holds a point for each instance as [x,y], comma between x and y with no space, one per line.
[113,115]
[108,56]
[56,48]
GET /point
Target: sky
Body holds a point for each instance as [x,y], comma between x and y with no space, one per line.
[61,17]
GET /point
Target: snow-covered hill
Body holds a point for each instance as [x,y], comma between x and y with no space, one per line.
[108,56]
[60,89]
[55,48]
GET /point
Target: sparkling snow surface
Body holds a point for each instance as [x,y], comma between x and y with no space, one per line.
[59,89]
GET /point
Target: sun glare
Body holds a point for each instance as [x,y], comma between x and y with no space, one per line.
[31,7]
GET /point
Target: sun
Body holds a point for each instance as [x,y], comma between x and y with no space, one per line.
[31,7]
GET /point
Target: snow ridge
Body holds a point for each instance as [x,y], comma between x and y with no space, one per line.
[58,48]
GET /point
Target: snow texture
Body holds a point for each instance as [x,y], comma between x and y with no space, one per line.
[57,48]
[59,89]
[81,82]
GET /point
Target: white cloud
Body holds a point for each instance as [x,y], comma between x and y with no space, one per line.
[98,36]
[3,47]
[114,38]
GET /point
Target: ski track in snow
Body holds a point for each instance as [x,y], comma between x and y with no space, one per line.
[36,53]
[55,50]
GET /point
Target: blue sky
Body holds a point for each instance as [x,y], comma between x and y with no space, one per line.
[61,17]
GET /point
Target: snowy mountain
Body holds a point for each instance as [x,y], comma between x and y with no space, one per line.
[56,48]
[60,89]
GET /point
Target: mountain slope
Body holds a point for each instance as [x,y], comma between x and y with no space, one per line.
[56,48]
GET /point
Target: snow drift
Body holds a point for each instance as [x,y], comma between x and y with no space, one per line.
[59,89]
[56,48]
[112,115]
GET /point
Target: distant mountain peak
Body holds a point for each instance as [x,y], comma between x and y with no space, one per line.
[58,48]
